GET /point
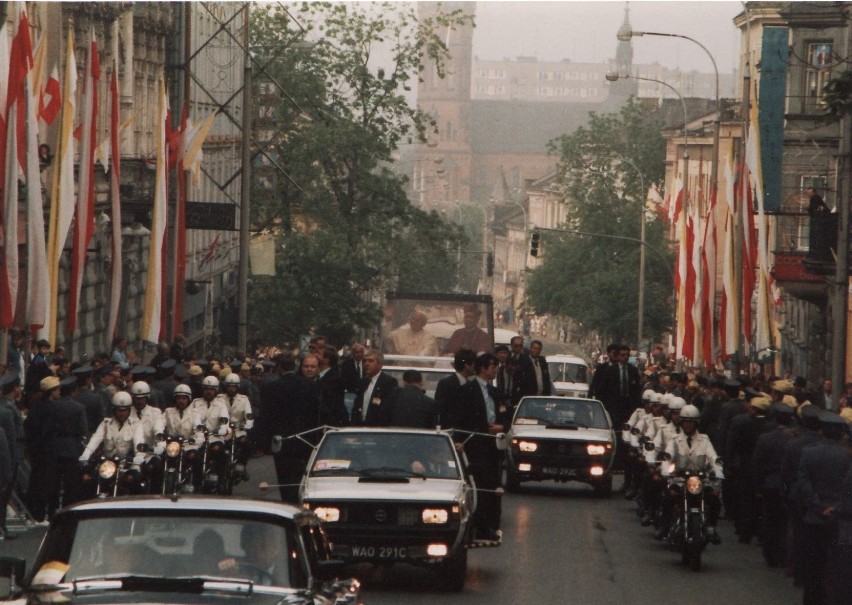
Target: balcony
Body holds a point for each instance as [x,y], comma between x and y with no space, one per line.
[805,254]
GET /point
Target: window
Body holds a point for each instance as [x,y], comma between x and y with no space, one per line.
[817,73]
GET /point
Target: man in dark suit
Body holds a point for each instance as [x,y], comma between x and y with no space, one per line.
[447,389]
[332,408]
[599,377]
[373,393]
[532,376]
[479,417]
[620,392]
[352,368]
[409,405]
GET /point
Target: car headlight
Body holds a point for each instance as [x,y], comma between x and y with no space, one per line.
[107,469]
[435,515]
[327,514]
[173,449]
[527,446]
[694,485]
[596,449]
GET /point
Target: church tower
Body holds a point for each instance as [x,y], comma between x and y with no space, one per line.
[623,89]
[442,171]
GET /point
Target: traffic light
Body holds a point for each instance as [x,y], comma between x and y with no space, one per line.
[489,265]
[534,243]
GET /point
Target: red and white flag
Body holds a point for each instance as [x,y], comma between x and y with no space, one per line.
[114,192]
[708,282]
[729,319]
[152,317]
[84,219]
[14,155]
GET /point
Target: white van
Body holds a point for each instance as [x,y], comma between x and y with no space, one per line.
[569,375]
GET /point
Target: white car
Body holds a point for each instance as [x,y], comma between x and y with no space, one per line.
[563,439]
[391,495]
[569,375]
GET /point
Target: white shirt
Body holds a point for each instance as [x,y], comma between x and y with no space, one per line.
[490,408]
[695,452]
[209,415]
[116,438]
[150,424]
[368,395]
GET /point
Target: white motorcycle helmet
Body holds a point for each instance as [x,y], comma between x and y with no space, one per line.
[655,397]
[666,399]
[677,404]
[210,381]
[646,396]
[690,412]
[122,399]
[232,379]
[182,389]
[140,389]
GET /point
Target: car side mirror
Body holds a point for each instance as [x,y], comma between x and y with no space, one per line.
[328,571]
[502,441]
[13,569]
[275,445]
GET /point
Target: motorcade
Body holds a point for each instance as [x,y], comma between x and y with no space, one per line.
[561,439]
[391,495]
[569,375]
[193,549]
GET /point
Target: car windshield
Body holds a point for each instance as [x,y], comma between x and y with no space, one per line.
[170,547]
[558,412]
[566,371]
[373,454]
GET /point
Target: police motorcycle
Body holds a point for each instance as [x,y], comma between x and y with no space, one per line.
[690,480]
[241,421]
[115,470]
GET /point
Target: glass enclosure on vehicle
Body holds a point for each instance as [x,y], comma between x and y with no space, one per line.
[376,454]
[567,371]
[172,546]
[585,413]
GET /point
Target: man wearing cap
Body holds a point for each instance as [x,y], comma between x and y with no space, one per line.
[734,406]
[818,482]
[114,436]
[85,396]
[11,425]
[805,435]
[742,439]
[766,473]
[165,382]
[39,366]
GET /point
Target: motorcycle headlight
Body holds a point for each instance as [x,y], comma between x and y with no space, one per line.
[327,514]
[107,469]
[435,515]
[527,446]
[173,449]
[694,485]
[596,449]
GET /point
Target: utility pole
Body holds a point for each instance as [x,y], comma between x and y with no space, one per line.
[245,193]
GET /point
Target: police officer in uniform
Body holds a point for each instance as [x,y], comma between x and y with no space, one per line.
[179,420]
[240,413]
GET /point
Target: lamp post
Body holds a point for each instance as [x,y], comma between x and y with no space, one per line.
[625,34]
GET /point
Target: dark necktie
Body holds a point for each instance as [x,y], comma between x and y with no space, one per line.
[624,380]
[501,380]
[689,441]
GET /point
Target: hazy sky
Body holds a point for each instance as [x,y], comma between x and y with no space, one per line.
[585,31]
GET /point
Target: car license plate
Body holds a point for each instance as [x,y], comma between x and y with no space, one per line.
[556,470]
[379,552]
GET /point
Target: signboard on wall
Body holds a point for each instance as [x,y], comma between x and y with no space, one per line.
[211,216]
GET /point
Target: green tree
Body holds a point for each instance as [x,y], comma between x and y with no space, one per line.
[347,230]
[592,278]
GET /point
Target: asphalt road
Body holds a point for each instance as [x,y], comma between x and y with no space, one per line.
[563,545]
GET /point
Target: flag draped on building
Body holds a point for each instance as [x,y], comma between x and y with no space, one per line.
[85,213]
[20,61]
[729,319]
[116,276]
[38,279]
[62,191]
[153,310]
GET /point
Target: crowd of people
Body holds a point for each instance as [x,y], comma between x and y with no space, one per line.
[780,463]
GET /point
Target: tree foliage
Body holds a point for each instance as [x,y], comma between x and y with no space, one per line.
[594,278]
[346,227]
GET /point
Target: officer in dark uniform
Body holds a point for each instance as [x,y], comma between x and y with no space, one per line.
[818,483]
[165,382]
[40,434]
[766,473]
[104,389]
[742,439]
[69,418]
[86,396]
[11,424]
[805,435]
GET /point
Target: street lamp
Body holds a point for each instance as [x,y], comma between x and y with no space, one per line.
[626,33]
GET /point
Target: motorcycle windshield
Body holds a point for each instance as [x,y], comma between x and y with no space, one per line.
[691,463]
